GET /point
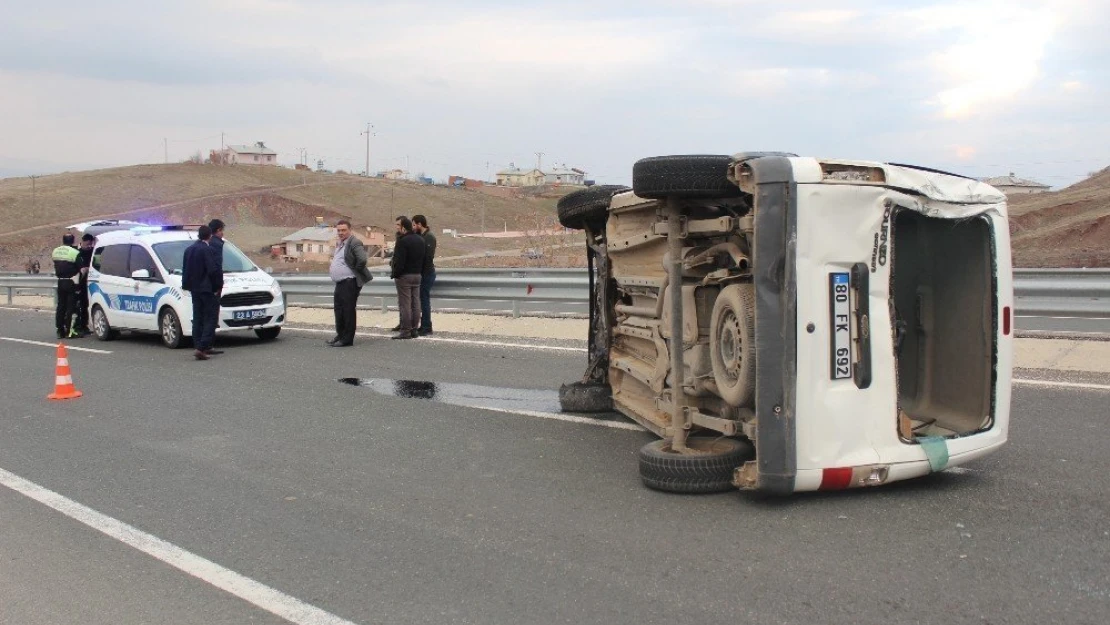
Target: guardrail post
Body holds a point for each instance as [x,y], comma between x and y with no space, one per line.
[10,300]
[516,309]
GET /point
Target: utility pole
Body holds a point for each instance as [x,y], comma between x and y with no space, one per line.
[487,171]
[539,161]
[33,194]
[166,147]
[369,129]
[221,142]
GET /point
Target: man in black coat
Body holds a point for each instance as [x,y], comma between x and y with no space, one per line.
[408,267]
[202,278]
[84,261]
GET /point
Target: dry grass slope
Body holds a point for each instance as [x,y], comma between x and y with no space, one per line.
[258,203]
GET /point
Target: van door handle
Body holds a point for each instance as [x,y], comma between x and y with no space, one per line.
[861,284]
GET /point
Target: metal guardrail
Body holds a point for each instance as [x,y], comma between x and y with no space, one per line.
[1037,292]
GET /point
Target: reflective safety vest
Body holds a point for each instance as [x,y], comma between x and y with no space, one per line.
[65,262]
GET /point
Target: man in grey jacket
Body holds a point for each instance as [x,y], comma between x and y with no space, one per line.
[349,273]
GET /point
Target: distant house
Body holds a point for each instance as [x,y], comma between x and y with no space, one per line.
[316,244]
[1012,185]
[393,174]
[257,154]
[516,177]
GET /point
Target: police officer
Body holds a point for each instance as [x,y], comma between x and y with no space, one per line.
[66,269]
[84,261]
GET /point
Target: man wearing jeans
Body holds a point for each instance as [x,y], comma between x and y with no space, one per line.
[408,266]
[348,271]
[428,277]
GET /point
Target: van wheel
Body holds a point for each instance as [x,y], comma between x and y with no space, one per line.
[170,329]
[708,470]
[268,334]
[101,328]
[588,205]
[691,176]
[583,397]
[732,343]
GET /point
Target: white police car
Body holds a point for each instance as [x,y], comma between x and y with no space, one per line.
[135,285]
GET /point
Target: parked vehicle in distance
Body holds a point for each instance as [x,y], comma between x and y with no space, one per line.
[790,324]
[135,285]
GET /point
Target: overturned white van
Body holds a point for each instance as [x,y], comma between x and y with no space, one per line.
[790,324]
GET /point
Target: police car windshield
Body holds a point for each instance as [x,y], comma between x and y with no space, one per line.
[172,255]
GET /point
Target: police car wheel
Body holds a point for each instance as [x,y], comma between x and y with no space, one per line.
[170,329]
[268,334]
[101,328]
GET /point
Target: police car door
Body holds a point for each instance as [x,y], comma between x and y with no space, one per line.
[109,281]
[147,287]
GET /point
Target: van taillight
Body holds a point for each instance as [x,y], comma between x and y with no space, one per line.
[836,479]
[839,478]
[1007,321]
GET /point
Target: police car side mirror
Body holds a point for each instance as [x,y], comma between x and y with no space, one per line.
[140,274]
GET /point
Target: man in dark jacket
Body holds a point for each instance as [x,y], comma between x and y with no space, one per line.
[217,244]
[66,269]
[84,261]
[428,277]
[202,278]
[349,273]
[408,266]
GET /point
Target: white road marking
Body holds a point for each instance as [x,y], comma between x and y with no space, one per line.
[617,425]
[440,339]
[289,608]
[1043,317]
[70,348]
[1092,387]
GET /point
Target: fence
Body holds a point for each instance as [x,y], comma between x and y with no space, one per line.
[1037,292]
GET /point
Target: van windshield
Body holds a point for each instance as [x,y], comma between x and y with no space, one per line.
[172,255]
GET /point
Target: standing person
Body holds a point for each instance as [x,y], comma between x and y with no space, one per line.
[349,273]
[428,276]
[217,245]
[84,261]
[66,269]
[398,233]
[201,277]
[408,266]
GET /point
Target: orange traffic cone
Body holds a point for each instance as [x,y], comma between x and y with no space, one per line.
[63,380]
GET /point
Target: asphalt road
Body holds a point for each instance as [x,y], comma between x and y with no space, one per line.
[381,509]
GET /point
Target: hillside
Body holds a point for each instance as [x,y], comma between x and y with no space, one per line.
[259,204]
[1066,228]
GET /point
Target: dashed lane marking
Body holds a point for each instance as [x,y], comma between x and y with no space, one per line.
[1049,383]
[53,345]
[440,339]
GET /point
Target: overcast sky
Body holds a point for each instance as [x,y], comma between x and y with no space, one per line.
[979,87]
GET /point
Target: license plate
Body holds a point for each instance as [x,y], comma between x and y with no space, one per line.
[840,310]
[242,315]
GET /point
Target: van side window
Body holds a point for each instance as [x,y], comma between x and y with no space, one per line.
[96,258]
[113,260]
[141,259]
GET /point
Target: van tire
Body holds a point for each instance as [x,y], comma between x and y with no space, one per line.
[688,176]
[732,344]
[268,334]
[169,329]
[707,472]
[101,327]
[583,397]
[588,205]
